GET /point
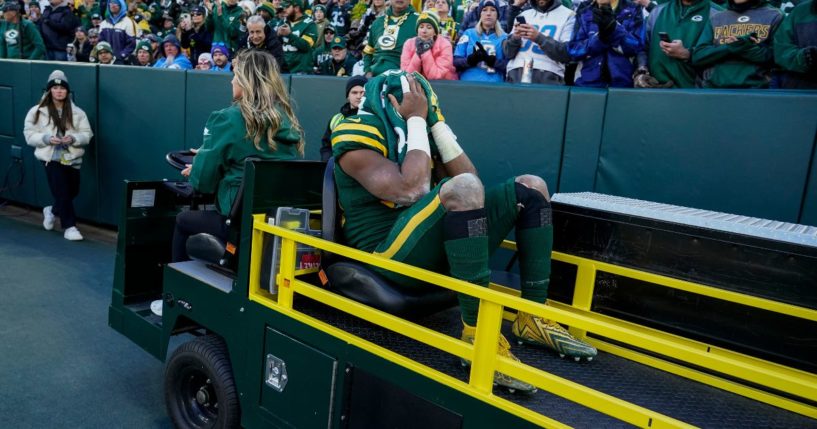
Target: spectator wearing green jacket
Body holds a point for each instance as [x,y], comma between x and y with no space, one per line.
[20,38]
[224,21]
[795,47]
[298,34]
[667,64]
[736,45]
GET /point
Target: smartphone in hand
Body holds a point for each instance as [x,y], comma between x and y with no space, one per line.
[664,37]
[521,20]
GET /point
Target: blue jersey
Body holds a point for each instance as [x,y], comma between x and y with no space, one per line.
[492,44]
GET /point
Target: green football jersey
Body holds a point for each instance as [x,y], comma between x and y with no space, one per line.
[298,45]
[367,218]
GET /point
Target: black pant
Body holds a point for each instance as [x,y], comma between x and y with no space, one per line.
[194,222]
[63,180]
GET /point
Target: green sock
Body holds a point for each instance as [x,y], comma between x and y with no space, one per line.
[468,259]
[535,246]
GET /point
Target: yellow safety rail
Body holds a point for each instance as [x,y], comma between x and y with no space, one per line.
[482,353]
[753,370]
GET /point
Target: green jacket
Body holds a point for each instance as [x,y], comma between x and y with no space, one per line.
[298,45]
[740,64]
[685,23]
[219,165]
[383,48]
[226,27]
[790,43]
[21,41]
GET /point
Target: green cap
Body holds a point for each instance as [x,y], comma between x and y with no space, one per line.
[287,3]
[338,42]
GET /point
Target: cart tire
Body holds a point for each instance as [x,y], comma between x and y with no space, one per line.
[200,389]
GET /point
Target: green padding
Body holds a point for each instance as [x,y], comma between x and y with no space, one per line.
[16,76]
[585,121]
[715,150]
[6,108]
[507,130]
[83,81]
[141,113]
[317,99]
[809,212]
[206,91]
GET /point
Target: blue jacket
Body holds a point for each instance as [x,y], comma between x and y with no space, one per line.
[465,46]
[615,54]
[180,63]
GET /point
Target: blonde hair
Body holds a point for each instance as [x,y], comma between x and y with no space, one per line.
[497,28]
[264,96]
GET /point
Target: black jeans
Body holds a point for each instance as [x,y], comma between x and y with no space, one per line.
[194,222]
[63,180]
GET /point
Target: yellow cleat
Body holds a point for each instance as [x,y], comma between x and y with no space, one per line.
[503,349]
[541,332]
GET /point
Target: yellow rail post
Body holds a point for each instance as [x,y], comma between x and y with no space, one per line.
[583,292]
[486,340]
[286,272]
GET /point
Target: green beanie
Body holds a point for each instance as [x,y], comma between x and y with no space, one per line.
[429,17]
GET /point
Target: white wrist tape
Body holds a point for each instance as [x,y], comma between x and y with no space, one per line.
[417,135]
[446,141]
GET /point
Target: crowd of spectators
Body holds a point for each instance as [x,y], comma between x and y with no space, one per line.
[592,43]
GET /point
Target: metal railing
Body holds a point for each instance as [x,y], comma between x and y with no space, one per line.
[483,354]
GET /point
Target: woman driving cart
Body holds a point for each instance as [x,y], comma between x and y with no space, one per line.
[260,123]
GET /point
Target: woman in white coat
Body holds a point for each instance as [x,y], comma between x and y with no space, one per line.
[59,130]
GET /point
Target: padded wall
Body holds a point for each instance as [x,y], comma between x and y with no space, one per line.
[316,99]
[716,150]
[507,130]
[585,121]
[142,114]
[15,100]
[808,215]
[83,81]
[206,92]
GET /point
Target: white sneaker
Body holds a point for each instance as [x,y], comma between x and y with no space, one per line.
[48,218]
[72,234]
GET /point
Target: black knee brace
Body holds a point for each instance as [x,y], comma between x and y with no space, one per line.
[535,210]
[465,224]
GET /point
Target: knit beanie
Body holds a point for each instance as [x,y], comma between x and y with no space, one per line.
[144,44]
[220,47]
[104,46]
[429,17]
[355,81]
[267,7]
[484,3]
[173,40]
[319,7]
[57,78]
[207,57]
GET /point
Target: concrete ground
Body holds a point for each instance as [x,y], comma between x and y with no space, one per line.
[61,366]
